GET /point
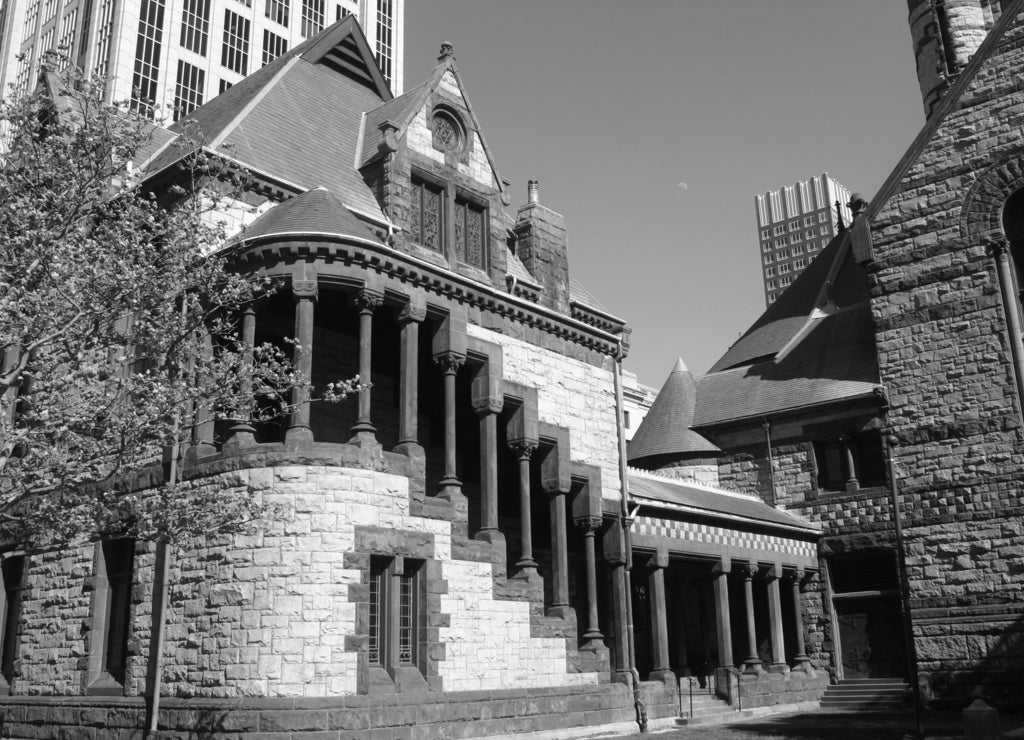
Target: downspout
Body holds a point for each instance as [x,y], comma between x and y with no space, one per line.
[901,565]
[767,426]
[626,522]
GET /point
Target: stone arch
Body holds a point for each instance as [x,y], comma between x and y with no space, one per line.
[981,218]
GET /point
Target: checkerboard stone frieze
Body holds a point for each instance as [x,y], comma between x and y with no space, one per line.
[680,536]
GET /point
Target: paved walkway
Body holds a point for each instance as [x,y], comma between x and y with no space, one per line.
[829,725]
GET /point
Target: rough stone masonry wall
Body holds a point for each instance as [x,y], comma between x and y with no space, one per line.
[273,614]
[945,361]
[570,393]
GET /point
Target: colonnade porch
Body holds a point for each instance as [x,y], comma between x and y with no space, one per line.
[483,459]
[692,616]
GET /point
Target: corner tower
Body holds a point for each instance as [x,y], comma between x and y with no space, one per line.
[946,33]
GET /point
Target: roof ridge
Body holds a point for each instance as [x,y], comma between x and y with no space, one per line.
[693,484]
[252,103]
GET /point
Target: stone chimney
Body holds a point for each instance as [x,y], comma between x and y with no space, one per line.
[541,246]
[946,33]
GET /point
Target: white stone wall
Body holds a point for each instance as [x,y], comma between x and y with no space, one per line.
[570,393]
[418,137]
[268,614]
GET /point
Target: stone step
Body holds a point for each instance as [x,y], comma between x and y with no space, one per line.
[711,719]
[865,694]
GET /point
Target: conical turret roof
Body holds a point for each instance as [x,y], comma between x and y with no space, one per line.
[666,428]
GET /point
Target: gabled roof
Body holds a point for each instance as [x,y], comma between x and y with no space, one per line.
[706,501]
[832,358]
[949,103]
[782,320]
[317,93]
[317,212]
[665,429]
[402,110]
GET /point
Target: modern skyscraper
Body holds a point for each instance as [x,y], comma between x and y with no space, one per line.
[795,223]
[177,54]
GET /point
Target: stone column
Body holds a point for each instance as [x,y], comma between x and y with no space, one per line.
[304,291]
[779,664]
[590,525]
[662,670]
[723,620]
[523,450]
[794,579]
[204,428]
[852,484]
[997,249]
[489,532]
[753,662]
[366,301]
[559,556]
[242,432]
[620,615]
[451,487]
[409,319]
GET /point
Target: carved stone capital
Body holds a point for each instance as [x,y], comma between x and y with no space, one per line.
[450,362]
[995,247]
[523,448]
[304,289]
[793,576]
[749,571]
[589,523]
[488,405]
[721,568]
[412,312]
[367,301]
[658,560]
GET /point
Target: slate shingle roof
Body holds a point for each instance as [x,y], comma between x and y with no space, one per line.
[666,429]
[832,358]
[316,212]
[320,109]
[711,502]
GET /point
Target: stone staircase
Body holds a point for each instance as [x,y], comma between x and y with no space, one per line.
[866,693]
[707,709]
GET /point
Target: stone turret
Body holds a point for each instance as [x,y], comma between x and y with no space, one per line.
[946,33]
[541,245]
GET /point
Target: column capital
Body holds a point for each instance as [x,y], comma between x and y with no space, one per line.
[722,568]
[658,560]
[304,288]
[749,571]
[793,576]
[588,523]
[412,312]
[523,448]
[450,362]
[995,247]
[488,405]
[368,300]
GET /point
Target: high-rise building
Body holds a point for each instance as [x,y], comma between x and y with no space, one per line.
[177,54]
[795,223]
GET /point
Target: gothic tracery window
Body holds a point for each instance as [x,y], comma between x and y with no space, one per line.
[446,132]
[426,214]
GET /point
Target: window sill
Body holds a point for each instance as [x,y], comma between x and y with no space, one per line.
[105,685]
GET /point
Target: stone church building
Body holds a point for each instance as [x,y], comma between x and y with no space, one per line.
[469,549]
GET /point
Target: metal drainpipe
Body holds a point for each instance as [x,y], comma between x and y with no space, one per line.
[767,426]
[901,565]
[626,522]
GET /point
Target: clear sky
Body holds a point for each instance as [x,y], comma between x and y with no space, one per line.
[651,125]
